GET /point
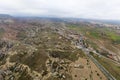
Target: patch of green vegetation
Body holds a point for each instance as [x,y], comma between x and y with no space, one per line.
[92,44]
[88,31]
[109,65]
[114,37]
[73,56]
[1,32]
[3,61]
[97,33]
[62,55]
[76,54]
[36,61]
[94,34]
[25,76]
[77,28]
[21,35]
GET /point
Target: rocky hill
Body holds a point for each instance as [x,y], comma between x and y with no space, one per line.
[46,49]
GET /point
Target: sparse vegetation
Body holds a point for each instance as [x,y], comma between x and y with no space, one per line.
[112,68]
[48,50]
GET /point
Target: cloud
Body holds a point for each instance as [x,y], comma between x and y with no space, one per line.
[98,9]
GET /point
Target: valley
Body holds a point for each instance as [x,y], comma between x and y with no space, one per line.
[53,49]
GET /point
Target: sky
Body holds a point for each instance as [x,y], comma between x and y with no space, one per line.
[92,9]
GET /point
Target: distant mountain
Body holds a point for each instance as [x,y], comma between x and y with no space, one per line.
[4,16]
[57,19]
[117,22]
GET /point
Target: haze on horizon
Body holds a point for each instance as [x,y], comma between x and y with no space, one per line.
[94,9]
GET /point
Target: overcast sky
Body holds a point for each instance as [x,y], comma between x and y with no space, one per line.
[97,9]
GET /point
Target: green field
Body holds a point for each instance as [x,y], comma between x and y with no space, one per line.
[112,67]
[97,33]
